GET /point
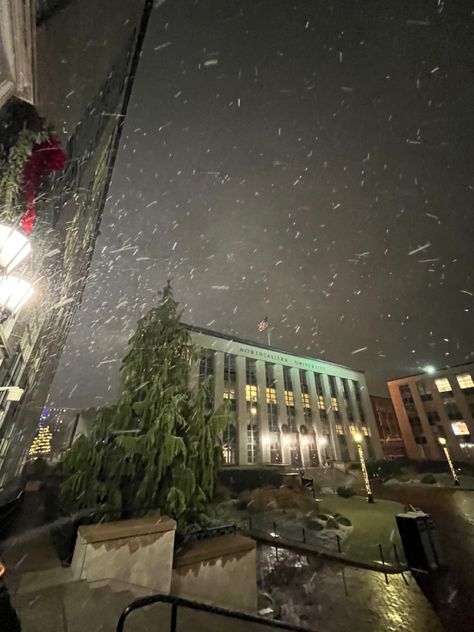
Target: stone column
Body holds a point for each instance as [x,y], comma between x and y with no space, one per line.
[330,413]
[218,378]
[264,436]
[281,405]
[345,419]
[317,424]
[241,420]
[299,414]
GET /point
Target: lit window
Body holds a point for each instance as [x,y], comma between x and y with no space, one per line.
[465,380]
[365,431]
[352,429]
[460,428]
[289,398]
[339,429]
[250,393]
[230,394]
[271,396]
[334,404]
[443,385]
[321,405]
[306,402]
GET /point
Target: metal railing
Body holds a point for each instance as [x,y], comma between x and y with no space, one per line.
[178,602]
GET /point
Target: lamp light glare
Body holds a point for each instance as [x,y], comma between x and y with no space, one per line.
[14,247]
[14,292]
[357,437]
[441,440]
[430,369]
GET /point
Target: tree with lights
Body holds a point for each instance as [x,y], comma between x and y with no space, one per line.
[158,446]
[42,442]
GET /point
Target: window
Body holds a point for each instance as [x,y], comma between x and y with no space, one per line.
[334,404]
[206,364]
[332,384]
[465,380]
[357,391]
[306,402]
[250,393]
[433,417]
[230,369]
[443,385]
[345,387]
[251,379]
[321,404]
[229,443]
[272,412]
[339,429]
[425,392]
[270,375]
[289,398]
[460,428]
[16,50]
[313,453]
[406,396]
[252,443]
[271,396]
[275,452]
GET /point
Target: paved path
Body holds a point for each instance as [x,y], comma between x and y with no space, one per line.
[328,596]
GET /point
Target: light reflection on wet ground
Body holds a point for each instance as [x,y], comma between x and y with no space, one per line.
[325,595]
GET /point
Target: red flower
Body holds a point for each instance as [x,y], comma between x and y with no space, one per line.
[46,157]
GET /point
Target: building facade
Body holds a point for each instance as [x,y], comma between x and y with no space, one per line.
[389,431]
[433,405]
[287,409]
[67,65]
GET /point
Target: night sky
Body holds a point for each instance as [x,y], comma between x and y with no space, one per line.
[310,161]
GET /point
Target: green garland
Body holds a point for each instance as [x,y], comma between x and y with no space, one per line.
[11,170]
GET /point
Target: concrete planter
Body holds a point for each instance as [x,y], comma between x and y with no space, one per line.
[138,552]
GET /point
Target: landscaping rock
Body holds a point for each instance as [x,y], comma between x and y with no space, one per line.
[428,479]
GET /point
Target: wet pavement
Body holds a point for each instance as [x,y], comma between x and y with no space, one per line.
[451,591]
[328,596]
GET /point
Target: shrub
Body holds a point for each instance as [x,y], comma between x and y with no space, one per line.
[323,517]
[332,524]
[313,525]
[342,520]
[345,492]
[243,500]
[428,479]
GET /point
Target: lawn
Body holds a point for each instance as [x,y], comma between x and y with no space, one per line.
[373,525]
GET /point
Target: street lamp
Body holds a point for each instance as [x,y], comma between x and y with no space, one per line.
[358,438]
[442,443]
[14,292]
[14,247]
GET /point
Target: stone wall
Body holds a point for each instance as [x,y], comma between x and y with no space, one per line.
[220,571]
[137,552]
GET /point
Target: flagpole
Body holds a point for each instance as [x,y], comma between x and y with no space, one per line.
[268,335]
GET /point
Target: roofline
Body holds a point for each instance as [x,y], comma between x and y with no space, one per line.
[431,375]
[252,343]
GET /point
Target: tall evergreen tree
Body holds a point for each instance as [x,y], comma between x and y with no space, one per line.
[158,446]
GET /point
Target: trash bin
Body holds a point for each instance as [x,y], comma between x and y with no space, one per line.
[420,541]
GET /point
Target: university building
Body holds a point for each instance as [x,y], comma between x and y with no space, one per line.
[389,431]
[433,405]
[288,409]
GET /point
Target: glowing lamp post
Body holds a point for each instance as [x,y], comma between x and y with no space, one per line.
[14,292]
[442,443]
[358,438]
